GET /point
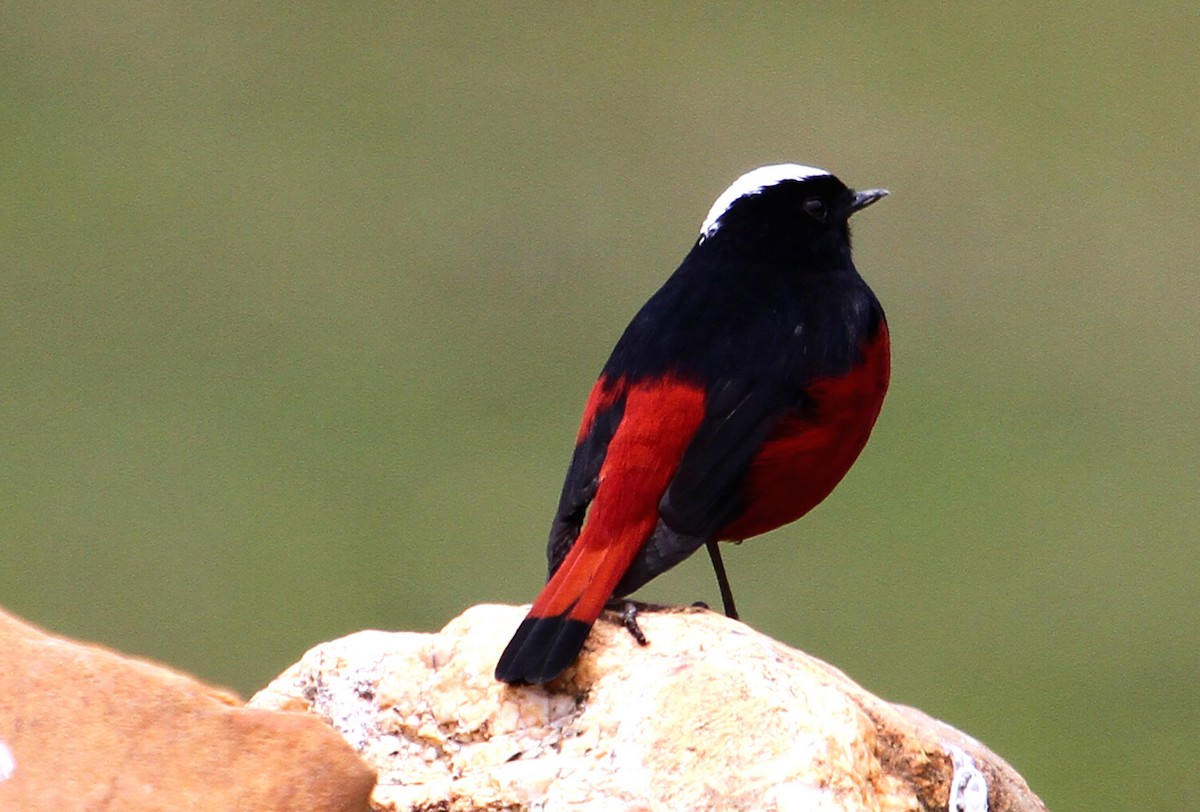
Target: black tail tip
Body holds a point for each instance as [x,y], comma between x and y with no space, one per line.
[541,650]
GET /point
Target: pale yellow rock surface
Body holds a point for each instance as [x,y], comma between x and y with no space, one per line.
[86,728]
[711,715]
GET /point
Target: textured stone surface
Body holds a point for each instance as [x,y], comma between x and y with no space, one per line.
[710,715]
[82,727]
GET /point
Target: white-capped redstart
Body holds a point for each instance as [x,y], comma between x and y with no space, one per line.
[735,401]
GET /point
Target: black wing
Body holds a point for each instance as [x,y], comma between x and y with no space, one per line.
[704,494]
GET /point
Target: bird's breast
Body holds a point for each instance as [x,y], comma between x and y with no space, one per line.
[810,450]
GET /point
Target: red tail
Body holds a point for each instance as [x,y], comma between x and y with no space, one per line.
[550,638]
[659,420]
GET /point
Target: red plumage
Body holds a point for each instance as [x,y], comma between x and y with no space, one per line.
[805,457]
[660,418]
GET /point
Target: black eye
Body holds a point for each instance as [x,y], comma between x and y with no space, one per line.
[815,207]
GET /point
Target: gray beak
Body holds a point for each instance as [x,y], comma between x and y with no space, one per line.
[864,199]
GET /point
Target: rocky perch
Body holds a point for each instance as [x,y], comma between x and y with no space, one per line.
[710,716]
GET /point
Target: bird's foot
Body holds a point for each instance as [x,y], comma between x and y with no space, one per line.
[628,612]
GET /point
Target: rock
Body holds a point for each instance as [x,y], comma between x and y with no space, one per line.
[82,727]
[710,715]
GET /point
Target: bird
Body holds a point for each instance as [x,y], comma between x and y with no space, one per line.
[735,401]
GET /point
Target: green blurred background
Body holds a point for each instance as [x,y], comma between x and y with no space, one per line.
[301,304]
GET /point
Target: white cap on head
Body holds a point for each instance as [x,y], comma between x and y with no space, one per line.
[751,183]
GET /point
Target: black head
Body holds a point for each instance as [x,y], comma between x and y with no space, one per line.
[787,212]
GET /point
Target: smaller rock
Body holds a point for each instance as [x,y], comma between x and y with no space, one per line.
[710,715]
[82,727]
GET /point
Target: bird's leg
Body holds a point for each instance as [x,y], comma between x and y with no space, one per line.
[722,579]
[628,611]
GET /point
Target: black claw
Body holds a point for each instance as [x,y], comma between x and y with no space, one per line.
[629,613]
